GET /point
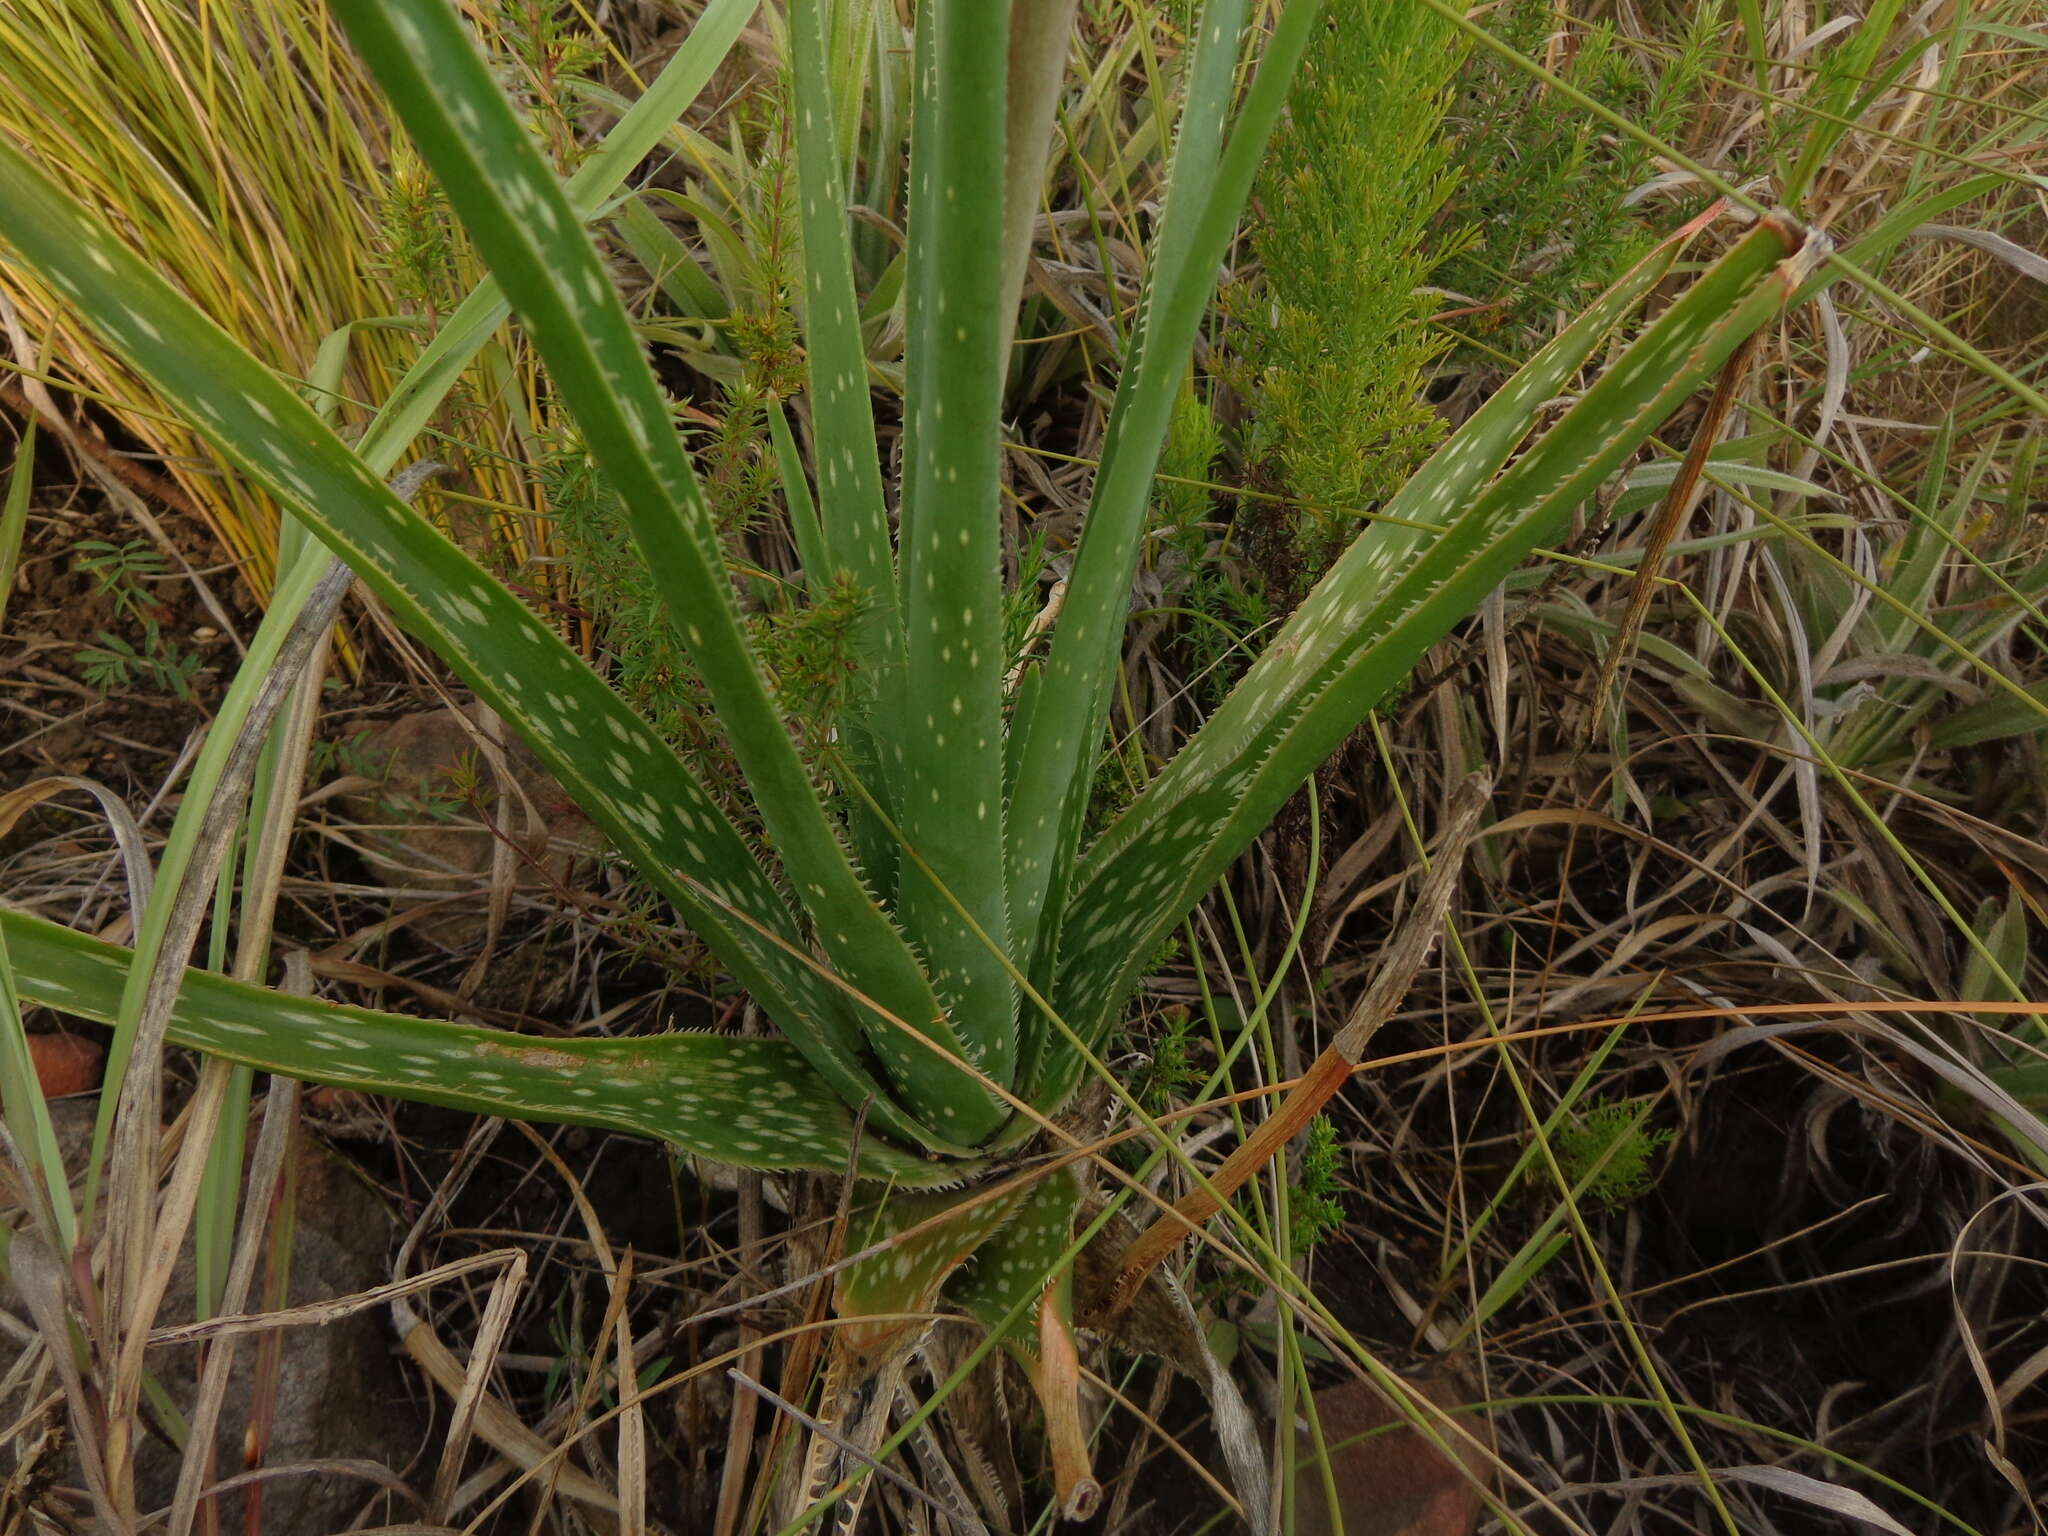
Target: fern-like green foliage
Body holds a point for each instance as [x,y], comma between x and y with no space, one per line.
[1336,346]
[1609,1143]
[1317,1207]
[417,236]
[1542,186]
[1223,611]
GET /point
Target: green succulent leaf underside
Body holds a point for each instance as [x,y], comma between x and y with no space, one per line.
[1395,593]
[511,203]
[628,780]
[754,1103]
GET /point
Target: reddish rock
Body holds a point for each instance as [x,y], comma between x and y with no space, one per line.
[66,1064]
[1395,1483]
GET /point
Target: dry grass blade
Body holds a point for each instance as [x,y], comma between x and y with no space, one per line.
[739,1440]
[854,1444]
[472,1396]
[146,1227]
[500,1428]
[273,1144]
[632,1417]
[120,821]
[1671,517]
[313,1314]
[42,1281]
[246,149]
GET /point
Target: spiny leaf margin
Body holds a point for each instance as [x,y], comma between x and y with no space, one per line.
[753,1103]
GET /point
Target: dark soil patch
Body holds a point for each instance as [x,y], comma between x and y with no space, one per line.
[109,657]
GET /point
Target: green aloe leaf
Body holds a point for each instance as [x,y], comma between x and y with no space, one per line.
[927,1238]
[947,746]
[1016,1281]
[627,779]
[755,1103]
[1442,545]
[1206,192]
[406,413]
[854,527]
[884,1300]
[494,178]
[1013,1267]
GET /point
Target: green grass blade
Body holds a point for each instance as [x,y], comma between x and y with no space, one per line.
[689,69]
[1999,718]
[796,492]
[495,180]
[1204,199]
[1840,71]
[754,1103]
[630,782]
[27,1112]
[947,747]
[1391,596]
[689,289]
[21,477]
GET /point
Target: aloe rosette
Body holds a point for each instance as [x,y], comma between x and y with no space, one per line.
[939,946]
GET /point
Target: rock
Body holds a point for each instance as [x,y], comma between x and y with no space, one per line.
[65,1063]
[427,788]
[1396,1483]
[342,1392]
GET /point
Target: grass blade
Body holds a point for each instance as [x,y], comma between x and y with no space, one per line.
[27,1115]
[14,514]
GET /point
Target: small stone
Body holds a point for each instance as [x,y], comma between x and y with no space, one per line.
[66,1064]
[421,814]
[1395,1482]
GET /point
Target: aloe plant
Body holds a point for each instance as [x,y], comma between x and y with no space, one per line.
[939,947]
